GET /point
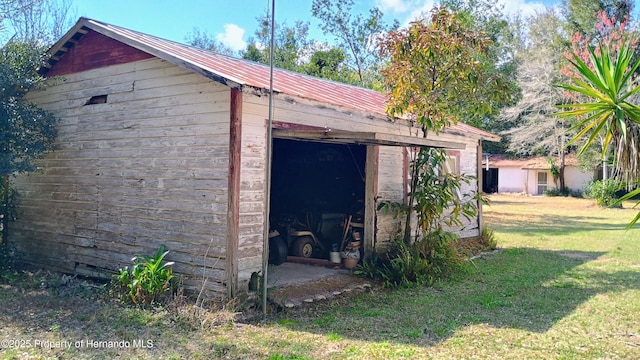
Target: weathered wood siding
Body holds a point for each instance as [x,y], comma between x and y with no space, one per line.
[469,166]
[148,167]
[252,188]
[390,178]
[392,183]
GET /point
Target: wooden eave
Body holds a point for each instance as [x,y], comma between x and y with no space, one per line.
[364,138]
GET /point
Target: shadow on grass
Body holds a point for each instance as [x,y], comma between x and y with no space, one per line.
[519,288]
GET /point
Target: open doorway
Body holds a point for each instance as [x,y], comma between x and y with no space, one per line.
[316,190]
[490,180]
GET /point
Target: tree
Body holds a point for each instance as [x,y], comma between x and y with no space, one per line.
[26,131]
[290,44]
[329,64]
[203,40]
[582,15]
[486,16]
[38,20]
[434,74]
[608,107]
[358,36]
[534,127]
[609,33]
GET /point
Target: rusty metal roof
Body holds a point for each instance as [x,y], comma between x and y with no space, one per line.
[239,73]
[531,163]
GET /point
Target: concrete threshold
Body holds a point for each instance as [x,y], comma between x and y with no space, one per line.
[294,284]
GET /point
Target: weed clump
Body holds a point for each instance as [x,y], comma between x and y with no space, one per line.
[149,280]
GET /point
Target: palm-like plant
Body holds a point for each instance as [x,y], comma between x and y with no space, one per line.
[609,88]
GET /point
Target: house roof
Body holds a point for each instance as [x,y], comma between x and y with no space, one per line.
[239,73]
[530,163]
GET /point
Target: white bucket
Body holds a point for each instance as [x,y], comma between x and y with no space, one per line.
[334,256]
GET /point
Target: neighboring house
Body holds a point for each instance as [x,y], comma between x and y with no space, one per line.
[530,175]
[164,144]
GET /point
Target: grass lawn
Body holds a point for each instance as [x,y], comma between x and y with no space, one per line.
[565,285]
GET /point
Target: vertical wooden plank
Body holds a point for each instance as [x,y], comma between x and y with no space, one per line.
[233,215]
[405,175]
[479,185]
[371,191]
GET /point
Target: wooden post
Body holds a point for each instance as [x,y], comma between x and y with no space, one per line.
[233,215]
[370,203]
[479,184]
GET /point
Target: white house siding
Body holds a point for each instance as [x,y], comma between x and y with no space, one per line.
[512,180]
[518,180]
[148,168]
[576,179]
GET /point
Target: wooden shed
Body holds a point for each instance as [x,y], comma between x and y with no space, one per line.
[160,143]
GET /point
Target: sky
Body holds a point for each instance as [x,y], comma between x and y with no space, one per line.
[232,22]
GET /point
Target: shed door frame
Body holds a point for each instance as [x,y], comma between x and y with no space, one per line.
[373,140]
[370,190]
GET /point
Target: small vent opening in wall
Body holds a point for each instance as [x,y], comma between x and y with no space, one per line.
[98,99]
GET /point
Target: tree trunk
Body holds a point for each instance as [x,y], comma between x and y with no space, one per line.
[412,188]
[561,172]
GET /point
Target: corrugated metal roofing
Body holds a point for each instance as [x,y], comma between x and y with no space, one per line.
[238,73]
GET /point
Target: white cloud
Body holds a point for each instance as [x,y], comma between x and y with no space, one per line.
[396,6]
[522,7]
[232,37]
[418,11]
[418,8]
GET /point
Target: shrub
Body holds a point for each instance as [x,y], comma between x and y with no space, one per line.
[9,201]
[565,193]
[149,280]
[488,238]
[421,263]
[553,192]
[605,192]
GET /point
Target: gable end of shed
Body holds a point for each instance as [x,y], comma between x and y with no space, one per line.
[92,51]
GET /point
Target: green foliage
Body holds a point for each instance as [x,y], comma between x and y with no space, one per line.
[437,74]
[330,64]
[437,193]
[26,131]
[582,15]
[488,238]
[565,193]
[553,168]
[437,202]
[421,264]
[149,280]
[289,43]
[498,62]
[605,192]
[9,200]
[607,86]
[10,208]
[608,108]
[357,35]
